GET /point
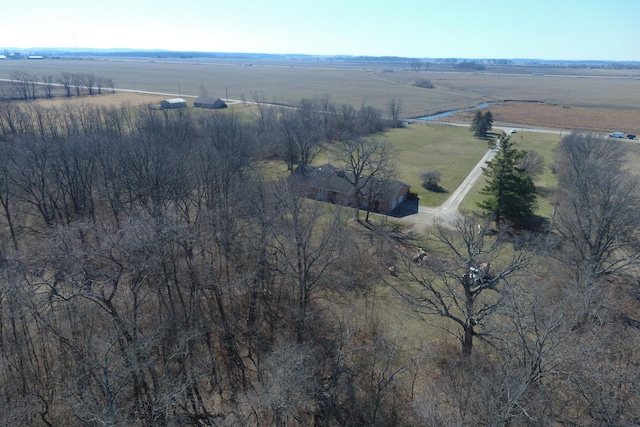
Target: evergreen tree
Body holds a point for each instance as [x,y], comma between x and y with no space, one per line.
[476,123]
[488,120]
[510,190]
[482,123]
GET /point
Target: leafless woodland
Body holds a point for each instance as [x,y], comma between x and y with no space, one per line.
[151,276]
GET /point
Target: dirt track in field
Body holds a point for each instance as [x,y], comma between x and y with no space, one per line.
[542,115]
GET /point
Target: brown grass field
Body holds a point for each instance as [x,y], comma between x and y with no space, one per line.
[543,115]
[599,100]
[107,99]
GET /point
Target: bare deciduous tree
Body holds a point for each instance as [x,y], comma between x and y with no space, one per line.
[532,163]
[394,106]
[89,80]
[431,180]
[597,213]
[309,243]
[48,81]
[467,286]
[301,133]
[24,85]
[288,387]
[363,161]
[65,79]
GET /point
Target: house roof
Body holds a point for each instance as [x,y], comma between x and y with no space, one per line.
[175,101]
[329,178]
[209,101]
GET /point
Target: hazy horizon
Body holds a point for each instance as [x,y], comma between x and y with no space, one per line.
[570,30]
[88,50]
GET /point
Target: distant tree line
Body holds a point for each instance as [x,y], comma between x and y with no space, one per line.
[469,66]
[27,86]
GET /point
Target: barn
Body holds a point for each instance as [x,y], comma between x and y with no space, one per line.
[173,103]
[208,102]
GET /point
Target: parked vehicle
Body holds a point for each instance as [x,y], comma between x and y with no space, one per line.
[616,135]
[631,136]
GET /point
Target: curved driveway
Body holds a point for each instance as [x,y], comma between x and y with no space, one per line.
[448,211]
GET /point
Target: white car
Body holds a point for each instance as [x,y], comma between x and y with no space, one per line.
[512,131]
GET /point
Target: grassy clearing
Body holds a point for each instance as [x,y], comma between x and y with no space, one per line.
[451,150]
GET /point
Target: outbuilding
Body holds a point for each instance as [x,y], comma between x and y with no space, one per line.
[209,102]
[173,103]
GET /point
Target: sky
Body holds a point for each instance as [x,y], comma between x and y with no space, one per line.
[541,29]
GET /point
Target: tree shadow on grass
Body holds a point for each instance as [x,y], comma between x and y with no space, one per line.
[435,188]
[544,192]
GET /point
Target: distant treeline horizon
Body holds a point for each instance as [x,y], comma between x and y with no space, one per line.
[10,52]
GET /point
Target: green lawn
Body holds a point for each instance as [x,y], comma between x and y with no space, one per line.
[452,150]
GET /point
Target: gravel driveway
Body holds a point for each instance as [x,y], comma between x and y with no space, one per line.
[448,211]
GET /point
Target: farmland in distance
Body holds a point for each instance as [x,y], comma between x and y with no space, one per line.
[605,100]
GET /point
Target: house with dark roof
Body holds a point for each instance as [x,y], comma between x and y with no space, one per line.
[330,184]
[208,102]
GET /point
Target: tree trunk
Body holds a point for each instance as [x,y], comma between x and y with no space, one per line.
[467,343]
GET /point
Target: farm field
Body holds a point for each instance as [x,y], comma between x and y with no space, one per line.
[543,115]
[598,100]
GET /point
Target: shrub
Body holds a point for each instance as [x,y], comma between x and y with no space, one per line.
[431,181]
[424,83]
